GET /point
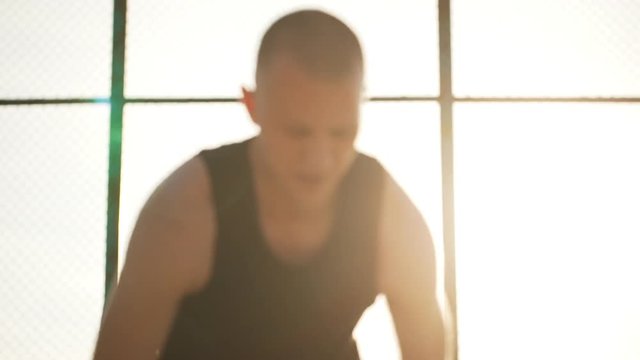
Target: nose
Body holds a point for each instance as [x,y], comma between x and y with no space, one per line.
[319,155]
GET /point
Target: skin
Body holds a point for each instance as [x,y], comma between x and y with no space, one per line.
[305,147]
[308,127]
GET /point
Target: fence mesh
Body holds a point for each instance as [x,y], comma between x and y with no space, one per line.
[54,159]
[55,49]
[52,229]
[546,48]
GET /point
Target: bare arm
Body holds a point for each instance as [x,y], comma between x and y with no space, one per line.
[169,256]
[407,276]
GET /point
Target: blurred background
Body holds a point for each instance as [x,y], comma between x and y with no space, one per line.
[533,112]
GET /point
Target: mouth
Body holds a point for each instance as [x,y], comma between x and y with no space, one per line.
[311,180]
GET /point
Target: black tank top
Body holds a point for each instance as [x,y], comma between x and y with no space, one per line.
[256,306]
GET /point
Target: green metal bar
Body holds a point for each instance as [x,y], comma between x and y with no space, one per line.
[446,130]
[115,143]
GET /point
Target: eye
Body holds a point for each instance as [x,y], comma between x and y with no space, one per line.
[298,131]
[342,134]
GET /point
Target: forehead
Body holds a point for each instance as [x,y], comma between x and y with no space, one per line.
[286,86]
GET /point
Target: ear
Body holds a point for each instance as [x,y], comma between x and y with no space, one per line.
[249,101]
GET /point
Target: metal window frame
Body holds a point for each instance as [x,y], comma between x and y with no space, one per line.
[446,100]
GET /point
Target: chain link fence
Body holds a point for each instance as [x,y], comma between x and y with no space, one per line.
[546,48]
[53,177]
[54,158]
[52,49]
[52,229]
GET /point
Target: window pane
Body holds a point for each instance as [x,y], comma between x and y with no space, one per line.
[405,137]
[52,229]
[202,48]
[159,138]
[55,49]
[547,208]
[546,48]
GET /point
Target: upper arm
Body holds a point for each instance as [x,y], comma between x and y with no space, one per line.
[169,255]
[407,275]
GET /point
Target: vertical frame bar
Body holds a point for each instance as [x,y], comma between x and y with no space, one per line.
[115,143]
[446,132]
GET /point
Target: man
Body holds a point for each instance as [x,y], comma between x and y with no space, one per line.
[273,247]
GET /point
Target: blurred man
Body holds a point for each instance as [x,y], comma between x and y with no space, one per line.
[272,248]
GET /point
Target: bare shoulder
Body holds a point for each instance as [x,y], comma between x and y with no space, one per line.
[175,228]
[170,254]
[407,275]
[399,215]
[404,239]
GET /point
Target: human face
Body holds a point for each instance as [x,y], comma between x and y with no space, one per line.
[308,127]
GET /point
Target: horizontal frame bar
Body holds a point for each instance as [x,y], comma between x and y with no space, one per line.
[231,100]
[54,101]
[551,99]
[372,99]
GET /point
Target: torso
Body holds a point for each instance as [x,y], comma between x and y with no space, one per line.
[297,264]
[294,238]
[296,243]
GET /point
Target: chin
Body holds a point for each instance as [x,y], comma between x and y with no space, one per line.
[313,198]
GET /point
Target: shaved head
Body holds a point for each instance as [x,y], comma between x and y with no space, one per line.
[319,43]
[307,105]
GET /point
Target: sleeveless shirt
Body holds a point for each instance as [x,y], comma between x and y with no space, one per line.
[255,306]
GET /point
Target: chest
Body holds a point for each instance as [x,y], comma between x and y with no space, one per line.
[297,242]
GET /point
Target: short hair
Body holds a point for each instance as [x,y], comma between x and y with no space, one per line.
[320,43]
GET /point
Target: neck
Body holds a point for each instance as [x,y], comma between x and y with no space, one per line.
[275,199]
